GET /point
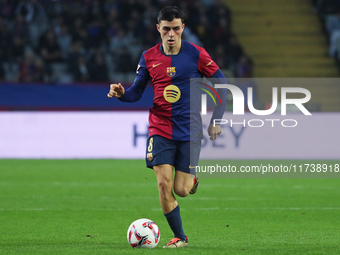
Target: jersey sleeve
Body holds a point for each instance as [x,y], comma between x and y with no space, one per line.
[206,65]
[219,109]
[135,92]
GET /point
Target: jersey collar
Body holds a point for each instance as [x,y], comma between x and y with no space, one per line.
[180,50]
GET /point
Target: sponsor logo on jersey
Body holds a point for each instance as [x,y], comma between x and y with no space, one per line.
[172,93]
[170,71]
[155,65]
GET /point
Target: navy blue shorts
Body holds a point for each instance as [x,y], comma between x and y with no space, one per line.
[183,155]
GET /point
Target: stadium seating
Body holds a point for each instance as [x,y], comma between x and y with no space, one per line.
[285,39]
[107,27]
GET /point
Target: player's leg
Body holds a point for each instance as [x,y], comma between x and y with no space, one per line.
[161,156]
[183,183]
[170,205]
[186,180]
[164,180]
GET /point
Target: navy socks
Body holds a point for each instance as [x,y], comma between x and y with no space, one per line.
[175,223]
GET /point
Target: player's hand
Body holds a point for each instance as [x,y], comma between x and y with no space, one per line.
[214,131]
[116,90]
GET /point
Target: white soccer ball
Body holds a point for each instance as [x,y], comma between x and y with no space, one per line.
[143,233]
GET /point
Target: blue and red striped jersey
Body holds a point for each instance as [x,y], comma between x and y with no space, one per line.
[170,76]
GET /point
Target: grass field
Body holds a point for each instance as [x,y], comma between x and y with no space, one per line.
[86,206]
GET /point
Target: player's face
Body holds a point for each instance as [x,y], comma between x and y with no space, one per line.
[171,32]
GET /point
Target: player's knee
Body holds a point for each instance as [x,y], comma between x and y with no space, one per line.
[165,188]
[181,191]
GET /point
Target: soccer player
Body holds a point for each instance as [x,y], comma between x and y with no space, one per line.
[170,65]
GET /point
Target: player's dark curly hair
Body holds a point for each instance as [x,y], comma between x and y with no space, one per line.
[169,13]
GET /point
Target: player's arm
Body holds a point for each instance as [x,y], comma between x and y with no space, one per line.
[214,131]
[210,70]
[135,92]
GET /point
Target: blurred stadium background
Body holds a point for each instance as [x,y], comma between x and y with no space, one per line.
[51,47]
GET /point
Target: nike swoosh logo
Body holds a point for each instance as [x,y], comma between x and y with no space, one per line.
[209,63]
[192,167]
[156,65]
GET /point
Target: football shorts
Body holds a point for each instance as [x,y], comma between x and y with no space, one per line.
[183,155]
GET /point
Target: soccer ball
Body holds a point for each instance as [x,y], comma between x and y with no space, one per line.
[143,233]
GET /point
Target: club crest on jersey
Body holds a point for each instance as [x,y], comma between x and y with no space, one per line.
[149,156]
[172,93]
[170,71]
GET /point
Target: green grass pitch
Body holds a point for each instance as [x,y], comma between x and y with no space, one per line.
[86,206]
